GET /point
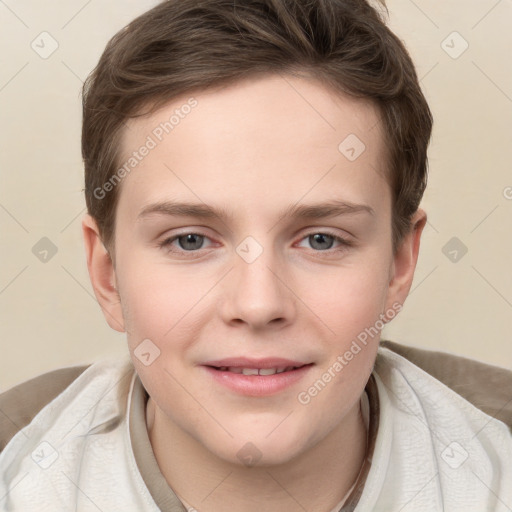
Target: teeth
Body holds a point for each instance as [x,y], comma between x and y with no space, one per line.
[250,371]
[268,371]
[256,371]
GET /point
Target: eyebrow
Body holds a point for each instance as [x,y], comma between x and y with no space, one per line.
[300,211]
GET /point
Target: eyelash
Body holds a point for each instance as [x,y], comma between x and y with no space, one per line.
[166,244]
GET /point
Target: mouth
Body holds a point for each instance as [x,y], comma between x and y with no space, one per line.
[256,378]
[257,371]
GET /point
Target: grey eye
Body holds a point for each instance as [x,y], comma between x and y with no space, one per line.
[190,241]
[321,241]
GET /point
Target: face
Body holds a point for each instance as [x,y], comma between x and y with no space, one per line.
[283,262]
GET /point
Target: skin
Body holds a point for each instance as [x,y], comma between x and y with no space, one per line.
[255,148]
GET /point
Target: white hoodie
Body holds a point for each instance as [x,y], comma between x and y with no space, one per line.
[434,451]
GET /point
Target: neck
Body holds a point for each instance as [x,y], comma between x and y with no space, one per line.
[318,479]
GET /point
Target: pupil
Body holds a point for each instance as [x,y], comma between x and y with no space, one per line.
[320,238]
[190,239]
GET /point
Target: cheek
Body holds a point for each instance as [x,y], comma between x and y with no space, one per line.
[350,305]
[159,304]
[158,299]
[349,298]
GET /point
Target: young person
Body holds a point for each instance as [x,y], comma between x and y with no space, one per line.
[253,176]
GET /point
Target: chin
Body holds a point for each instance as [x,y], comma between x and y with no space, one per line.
[261,450]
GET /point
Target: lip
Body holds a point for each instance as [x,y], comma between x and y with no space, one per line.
[247,362]
[256,385]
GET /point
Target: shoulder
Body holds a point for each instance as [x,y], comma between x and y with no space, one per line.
[487,387]
[21,403]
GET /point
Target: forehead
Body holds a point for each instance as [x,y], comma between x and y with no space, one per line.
[269,139]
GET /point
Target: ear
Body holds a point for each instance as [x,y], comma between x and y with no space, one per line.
[404,261]
[102,274]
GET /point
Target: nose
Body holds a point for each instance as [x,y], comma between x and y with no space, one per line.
[258,293]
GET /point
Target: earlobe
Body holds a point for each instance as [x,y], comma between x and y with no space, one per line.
[102,274]
[404,261]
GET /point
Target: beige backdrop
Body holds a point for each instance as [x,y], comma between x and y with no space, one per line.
[461,303]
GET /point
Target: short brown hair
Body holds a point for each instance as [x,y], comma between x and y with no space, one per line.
[181,46]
